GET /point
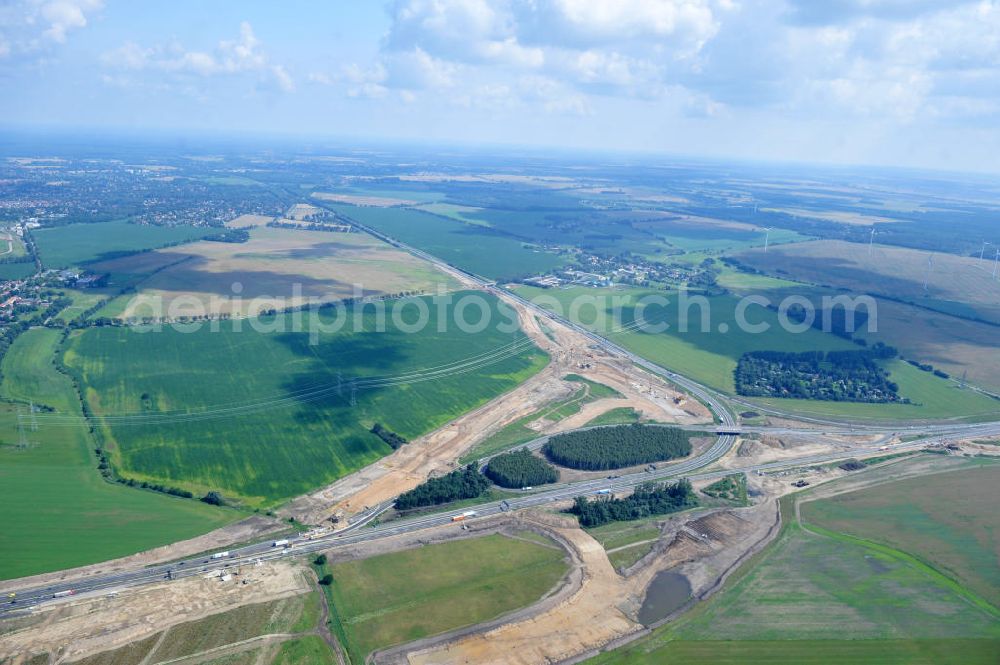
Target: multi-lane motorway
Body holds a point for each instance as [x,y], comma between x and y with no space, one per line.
[248,555]
[360,531]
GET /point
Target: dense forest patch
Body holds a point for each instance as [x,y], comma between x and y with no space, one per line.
[617,447]
[520,469]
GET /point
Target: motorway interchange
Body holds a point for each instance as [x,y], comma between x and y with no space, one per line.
[358,531]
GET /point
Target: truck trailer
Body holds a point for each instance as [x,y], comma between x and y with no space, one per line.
[467,514]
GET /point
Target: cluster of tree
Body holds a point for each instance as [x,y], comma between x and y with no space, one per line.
[338,228]
[732,488]
[838,376]
[520,469]
[927,367]
[391,438]
[230,235]
[465,483]
[647,500]
[213,498]
[617,447]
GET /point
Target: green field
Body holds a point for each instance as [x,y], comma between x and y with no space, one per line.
[811,652]
[16,270]
[258,414]
[627,542]
[622,415]
[710,356]
[83,299]
[939,518]
[400,597]
[58,511]
[77,244]
[467,246]
[814,596]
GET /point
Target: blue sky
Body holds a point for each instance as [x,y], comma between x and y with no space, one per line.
[902,82]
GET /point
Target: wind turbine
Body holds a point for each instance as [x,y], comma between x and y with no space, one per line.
[871,242]
[983,249]
[996,260]
[927,275]
[767,236]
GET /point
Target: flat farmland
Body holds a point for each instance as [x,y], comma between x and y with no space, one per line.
[16,270]
[710,355]
[959,285]
[957,346]
[58,511]
[244,221]
[471,247]
[809,652]
[696,234]
[253,408]
[11,245]
[78,244]
[814,597]
[276,267]
[396,598]
[946,519]
[932,398]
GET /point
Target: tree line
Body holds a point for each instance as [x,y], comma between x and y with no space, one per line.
[647,500]
[616,447]
[520,469]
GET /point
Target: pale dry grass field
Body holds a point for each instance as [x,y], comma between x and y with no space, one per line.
[285,267]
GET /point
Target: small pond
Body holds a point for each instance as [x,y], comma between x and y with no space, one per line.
[666,593]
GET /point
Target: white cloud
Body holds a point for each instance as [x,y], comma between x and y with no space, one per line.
[28,27]
[626,47]
[230,57]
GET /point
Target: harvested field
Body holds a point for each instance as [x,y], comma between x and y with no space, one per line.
[958,285]
[248,221]
[300,211]
[275,268]
[357,200]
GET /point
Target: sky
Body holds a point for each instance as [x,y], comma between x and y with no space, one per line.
[912,83]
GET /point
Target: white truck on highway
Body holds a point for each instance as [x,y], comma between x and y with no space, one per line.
[467,514]
[280,543]
[220,555]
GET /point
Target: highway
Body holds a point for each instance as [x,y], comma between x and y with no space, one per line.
[358,532]
[248,555]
